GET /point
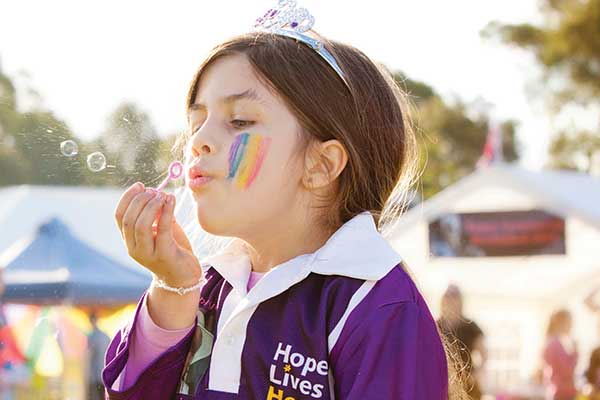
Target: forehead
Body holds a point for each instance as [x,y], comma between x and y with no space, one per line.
[231,75]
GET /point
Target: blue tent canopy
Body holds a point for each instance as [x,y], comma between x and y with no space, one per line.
[55,267]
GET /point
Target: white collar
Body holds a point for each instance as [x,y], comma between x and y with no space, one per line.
[356,250]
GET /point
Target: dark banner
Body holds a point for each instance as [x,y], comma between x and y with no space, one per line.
[510,233]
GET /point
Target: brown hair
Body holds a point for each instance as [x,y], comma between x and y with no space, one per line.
[366,116]
[591,373]
[556,319]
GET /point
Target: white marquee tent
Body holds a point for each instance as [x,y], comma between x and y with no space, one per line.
[87,211]
[511,297]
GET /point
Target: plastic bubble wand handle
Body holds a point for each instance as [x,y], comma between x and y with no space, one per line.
[175,171]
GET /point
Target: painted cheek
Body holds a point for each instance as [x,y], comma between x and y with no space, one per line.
[246,156]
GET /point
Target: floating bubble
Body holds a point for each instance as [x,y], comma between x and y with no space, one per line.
[96,161]
[69,148]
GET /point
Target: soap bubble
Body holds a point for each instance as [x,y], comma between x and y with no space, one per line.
[69,148]
[96,161]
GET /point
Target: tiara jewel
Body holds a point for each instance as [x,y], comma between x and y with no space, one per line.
[287,20]
[286,15]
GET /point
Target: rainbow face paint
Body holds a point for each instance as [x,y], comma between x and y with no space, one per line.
[246,156]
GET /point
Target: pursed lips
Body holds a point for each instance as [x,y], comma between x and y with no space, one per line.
[197,177]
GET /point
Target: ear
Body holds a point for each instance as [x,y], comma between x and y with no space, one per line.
[324,162]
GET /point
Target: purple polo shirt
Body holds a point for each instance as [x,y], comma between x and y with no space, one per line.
[345,322]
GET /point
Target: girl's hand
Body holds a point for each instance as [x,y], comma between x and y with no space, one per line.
[154,239]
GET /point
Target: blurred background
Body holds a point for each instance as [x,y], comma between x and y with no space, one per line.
[503,230]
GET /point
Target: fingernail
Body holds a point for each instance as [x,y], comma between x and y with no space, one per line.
[139,186]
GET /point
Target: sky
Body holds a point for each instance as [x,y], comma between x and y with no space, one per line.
[84,58]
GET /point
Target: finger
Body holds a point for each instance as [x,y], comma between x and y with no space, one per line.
[164,228]
[124,202]
[155,223]
[180,236]
[131,215]
[144,238]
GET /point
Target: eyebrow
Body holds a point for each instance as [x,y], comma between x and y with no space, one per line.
[249,94]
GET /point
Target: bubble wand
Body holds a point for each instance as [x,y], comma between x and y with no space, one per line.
[175,172]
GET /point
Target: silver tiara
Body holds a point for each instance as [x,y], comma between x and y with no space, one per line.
[287,20]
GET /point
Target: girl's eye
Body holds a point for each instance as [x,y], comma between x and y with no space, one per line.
[240,123]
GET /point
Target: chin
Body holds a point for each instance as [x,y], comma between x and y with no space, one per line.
[209,221]
[216,220]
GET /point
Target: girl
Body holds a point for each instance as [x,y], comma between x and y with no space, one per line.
[560,358]
[297,151]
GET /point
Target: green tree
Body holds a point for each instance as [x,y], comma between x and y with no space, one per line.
[578,152]
[30,144]
[39,142]
[566,45]
[452,136]
[10,159]
[131,146]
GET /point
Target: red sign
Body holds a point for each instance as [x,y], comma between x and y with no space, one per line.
[510,233]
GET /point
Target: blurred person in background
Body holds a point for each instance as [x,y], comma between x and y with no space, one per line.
[13,371]
[4,389]
[592,376]
[560,358]
[467,338]
[98,342]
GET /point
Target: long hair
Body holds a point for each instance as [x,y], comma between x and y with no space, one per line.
[591,373]
[368,116]
[556,319]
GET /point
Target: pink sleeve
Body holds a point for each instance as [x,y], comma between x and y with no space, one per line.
[148,343]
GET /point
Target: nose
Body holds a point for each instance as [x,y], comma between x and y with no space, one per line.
[201,150]
[202,144]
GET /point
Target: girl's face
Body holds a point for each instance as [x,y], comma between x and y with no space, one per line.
[566,325]
[246,141]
